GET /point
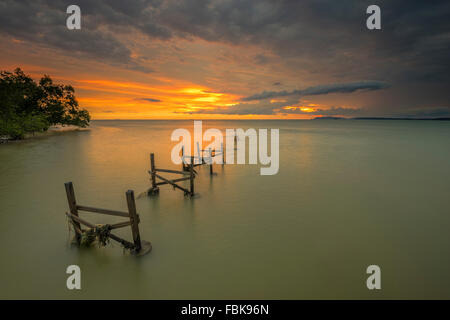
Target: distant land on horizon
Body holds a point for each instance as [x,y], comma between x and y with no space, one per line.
[380,118]
[316,118]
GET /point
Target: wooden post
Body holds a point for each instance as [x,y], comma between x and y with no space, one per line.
[154,189]
[223,154]
[73,209]
[182,159]
[191,171]
[152,169]
[134,220]
[211,162]
[198,154]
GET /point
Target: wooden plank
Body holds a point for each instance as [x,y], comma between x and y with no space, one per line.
[74,223]
[124,242]
[171,183]
[175,180]
[134,220]
[103,211]
[73,209]
[169,171]
[112,236]
[90,225]
[120,225]
[79,220]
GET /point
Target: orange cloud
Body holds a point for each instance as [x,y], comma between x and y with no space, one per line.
[107,99]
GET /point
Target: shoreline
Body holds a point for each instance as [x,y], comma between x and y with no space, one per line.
[50,131]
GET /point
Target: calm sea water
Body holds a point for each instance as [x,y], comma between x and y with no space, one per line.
[348,194]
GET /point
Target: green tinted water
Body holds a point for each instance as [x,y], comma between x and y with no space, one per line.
[348,194]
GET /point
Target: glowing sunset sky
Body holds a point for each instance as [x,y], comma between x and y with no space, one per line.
[236,59]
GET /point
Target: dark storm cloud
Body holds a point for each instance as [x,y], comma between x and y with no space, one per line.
[413,44]
[44,23]
[321,37]
[322,89]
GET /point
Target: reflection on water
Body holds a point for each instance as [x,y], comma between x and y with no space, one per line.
[348,194]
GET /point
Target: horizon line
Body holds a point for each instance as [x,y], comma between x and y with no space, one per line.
[277,119]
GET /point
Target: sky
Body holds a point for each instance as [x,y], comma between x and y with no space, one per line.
[237,59]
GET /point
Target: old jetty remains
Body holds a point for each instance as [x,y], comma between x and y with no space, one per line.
[103,232]
[155,173]
[188,163]
[206,158]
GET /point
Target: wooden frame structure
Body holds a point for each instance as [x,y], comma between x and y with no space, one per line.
[155,173]
[211,153]
[138,246]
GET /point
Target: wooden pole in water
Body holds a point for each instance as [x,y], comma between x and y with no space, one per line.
[154,189]
[199,154]
[152,168]
[191,171]
[73,209]
[182,159]
[211,162]
[223,154]
[134,220]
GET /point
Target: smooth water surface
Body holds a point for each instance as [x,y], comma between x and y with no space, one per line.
[348,194]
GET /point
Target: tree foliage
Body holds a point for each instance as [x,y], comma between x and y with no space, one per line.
[27,106]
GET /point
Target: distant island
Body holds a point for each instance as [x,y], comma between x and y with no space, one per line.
[29,107]
[379,118]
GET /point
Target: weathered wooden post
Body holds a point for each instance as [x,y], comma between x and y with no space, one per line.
[199,154]
[152,169]
[134,220]
[191,172]
[211,162]
[154,188]
[102,232]
[73,209]
[223,154]
[183,167]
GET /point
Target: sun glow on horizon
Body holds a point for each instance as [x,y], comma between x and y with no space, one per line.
[108,99]
[166,98]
